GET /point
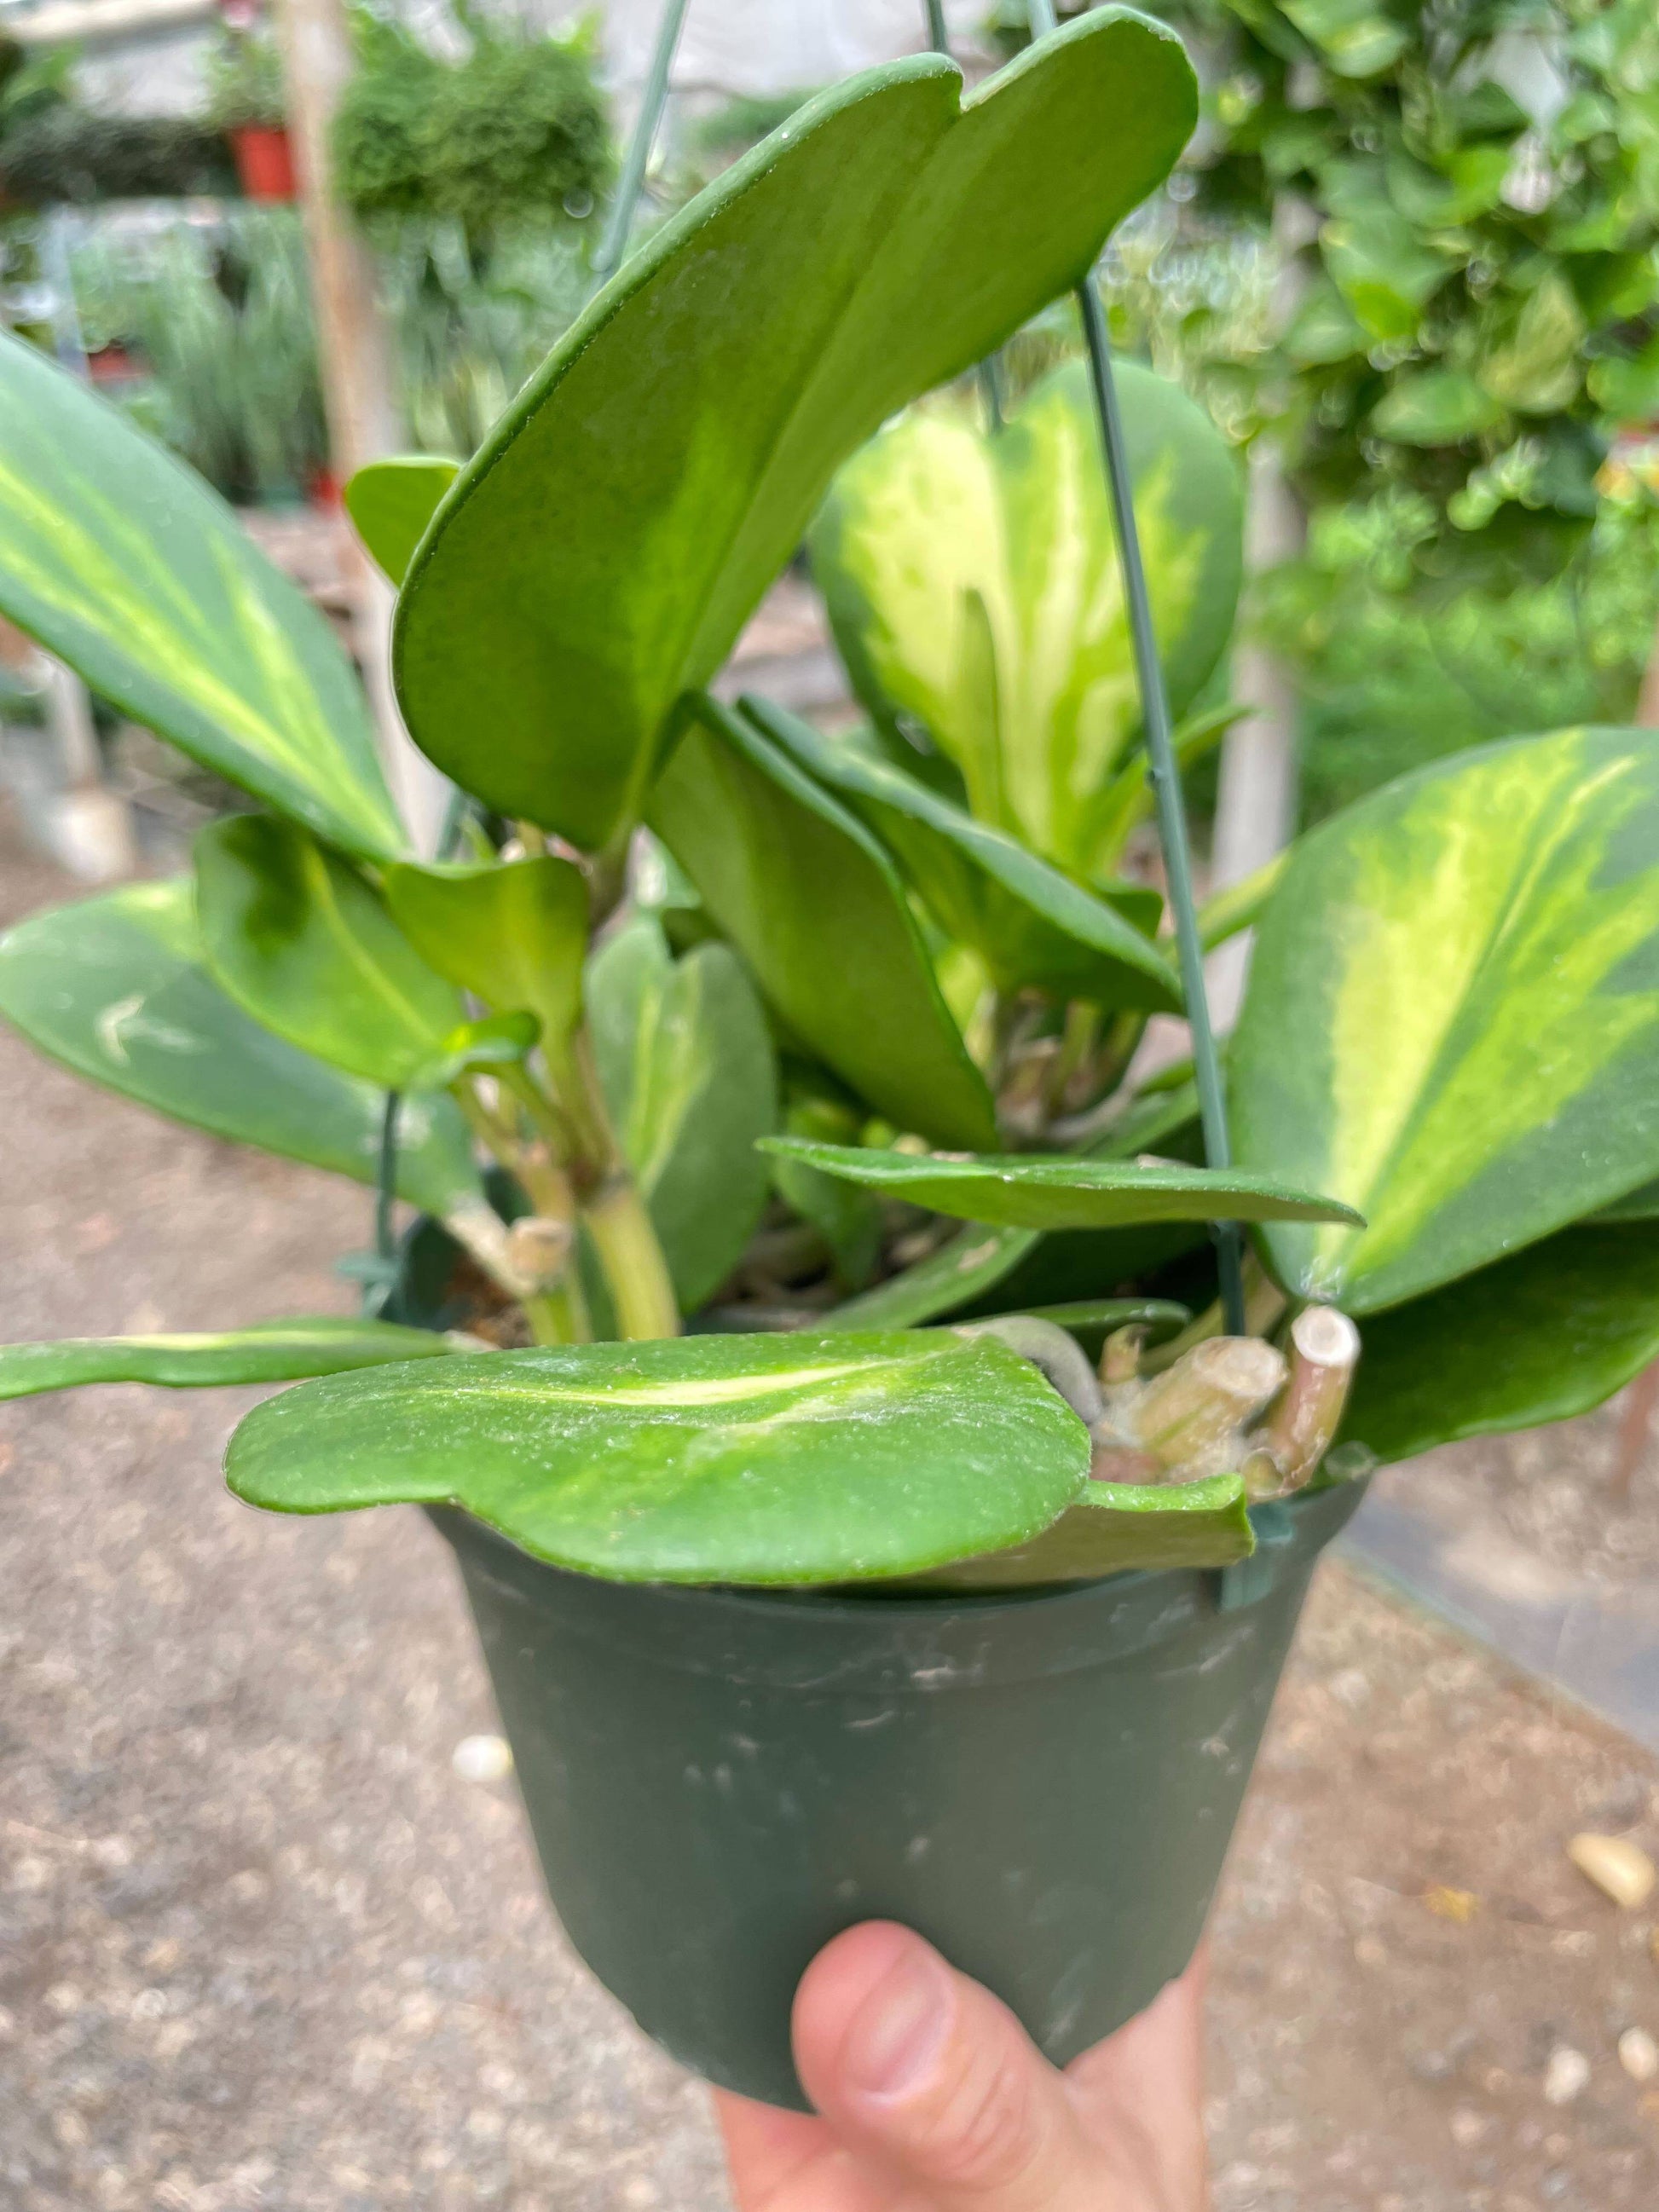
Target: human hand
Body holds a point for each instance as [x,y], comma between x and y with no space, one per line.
[934,2100]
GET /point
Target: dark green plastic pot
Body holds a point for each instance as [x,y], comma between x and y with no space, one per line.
[1044,1783]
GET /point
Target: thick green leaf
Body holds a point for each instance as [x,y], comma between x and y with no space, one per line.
[117,989]
[1545,1335]
[968,1267]
[1030,924]
[126,566]
[390,502]
[1115,1526]
[730,1459]
[970,1271]
[1046,1191]
[269,1351]
[601,553]
[1641,1204]
[515,934]
[1452,1019]
[819,912]
[686,1064]
[972,583]
[300,941]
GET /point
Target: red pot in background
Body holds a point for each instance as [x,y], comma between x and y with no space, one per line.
[264,161]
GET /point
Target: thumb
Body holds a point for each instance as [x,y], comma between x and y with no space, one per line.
[927,2075]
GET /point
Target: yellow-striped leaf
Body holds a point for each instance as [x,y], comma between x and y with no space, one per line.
[126,566]
[307,948]
[1453,1014]
[732,1459]
[117,988]
[600,555]
[267,1352]
[686,1062]
[972,583]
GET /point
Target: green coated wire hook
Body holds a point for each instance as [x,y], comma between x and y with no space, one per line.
[1161,766]
[629,185]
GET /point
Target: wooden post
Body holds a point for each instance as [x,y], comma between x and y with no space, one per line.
[1256,799]
[358,384]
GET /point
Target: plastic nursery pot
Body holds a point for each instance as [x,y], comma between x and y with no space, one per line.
[264,161]
[1043,1783]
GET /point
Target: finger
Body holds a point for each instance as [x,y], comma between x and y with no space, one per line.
[1143,2088]
[788,2162]
[926,2072]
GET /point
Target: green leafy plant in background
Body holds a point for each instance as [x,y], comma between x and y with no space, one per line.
[218,320]
[831,1272]
[1470,201]
[516,129]
[244,81]
[67,154]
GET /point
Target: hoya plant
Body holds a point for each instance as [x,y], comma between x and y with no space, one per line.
[791,1208]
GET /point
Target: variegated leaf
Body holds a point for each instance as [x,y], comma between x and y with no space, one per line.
[308,948]
[128,567]
[266,1352]
[733,1459]
[1452,1014]
[686,1062]
[973,583]
[116,988]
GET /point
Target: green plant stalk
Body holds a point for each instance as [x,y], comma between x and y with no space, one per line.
[635,1272]
[632,180]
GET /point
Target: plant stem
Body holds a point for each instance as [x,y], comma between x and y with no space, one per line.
[636,1272]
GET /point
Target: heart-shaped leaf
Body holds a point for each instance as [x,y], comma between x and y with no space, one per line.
[1030,1190]
[124,563]
[729,1459]
[302,943]
[117,988]
[773,855]
[268,1351]
[972,583]
[1113,1527]
[390,502]
[1453,1014]
[1029,924]
[514,933]
[686,1064]
[1550,1333]
[600,555]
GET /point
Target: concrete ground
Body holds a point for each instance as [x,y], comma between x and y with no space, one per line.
[261,1945]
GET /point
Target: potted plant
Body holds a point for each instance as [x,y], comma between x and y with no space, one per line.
[883,1515]
[247,101]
